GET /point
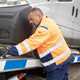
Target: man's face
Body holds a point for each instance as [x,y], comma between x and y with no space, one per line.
[34,19]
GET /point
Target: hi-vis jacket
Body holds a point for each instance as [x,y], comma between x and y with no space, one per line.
[48,41]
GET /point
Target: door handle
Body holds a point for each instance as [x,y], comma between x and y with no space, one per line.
[73,10]
[76,15]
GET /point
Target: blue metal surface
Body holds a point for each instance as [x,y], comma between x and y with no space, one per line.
[15,64]
[78,58]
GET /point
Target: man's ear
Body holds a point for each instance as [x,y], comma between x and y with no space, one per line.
[40,16]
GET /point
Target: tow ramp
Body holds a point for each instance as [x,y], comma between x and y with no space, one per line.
[7,65]
[17,64]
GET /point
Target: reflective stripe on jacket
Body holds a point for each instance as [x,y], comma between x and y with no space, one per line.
[48,41]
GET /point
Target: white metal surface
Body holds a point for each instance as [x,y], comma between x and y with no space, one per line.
[7,65]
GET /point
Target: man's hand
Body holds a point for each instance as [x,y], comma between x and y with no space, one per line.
[12,51]
[8,51]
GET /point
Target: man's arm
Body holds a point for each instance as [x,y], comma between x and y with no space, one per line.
[33,42]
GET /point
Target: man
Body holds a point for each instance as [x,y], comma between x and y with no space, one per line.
[49,43]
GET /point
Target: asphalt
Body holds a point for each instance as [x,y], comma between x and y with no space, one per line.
[74,72]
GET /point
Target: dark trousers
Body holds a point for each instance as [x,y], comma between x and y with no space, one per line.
[59,73]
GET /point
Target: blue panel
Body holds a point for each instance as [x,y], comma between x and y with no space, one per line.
[78,58]
[15,64]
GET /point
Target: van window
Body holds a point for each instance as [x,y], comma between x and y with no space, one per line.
[37,1]
[7,3]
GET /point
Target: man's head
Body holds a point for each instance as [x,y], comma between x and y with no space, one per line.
[35,16]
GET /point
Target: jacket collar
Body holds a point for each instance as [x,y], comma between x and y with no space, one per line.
[43,20]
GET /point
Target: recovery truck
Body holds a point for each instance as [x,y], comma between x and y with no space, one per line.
[14,28]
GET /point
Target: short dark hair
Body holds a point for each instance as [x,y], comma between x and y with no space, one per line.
[36,9]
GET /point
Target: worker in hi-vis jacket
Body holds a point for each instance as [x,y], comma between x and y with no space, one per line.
[48,40]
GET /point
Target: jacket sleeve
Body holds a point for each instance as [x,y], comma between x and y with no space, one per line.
[33,42]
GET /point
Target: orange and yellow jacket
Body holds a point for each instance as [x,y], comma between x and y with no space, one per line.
[48,41]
